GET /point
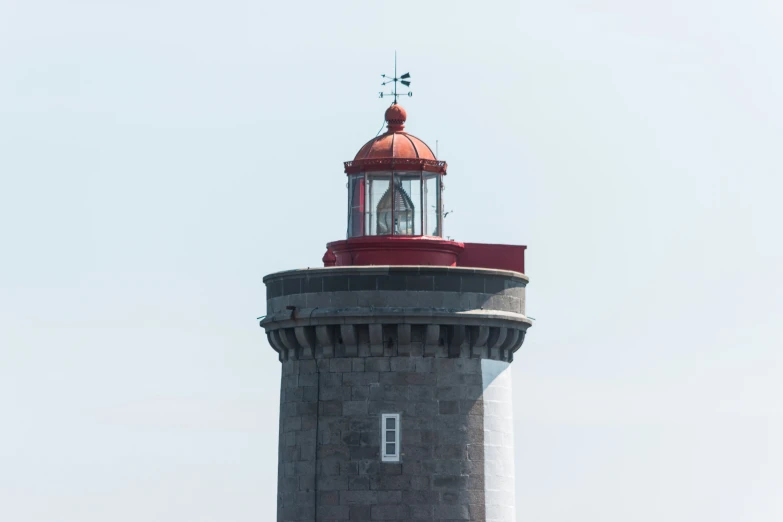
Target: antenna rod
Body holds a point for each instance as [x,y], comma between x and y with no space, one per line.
[395,76]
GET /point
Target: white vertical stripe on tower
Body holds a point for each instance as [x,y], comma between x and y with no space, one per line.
[498,441]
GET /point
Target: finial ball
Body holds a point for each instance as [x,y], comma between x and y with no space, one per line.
[396,114]
[396,117]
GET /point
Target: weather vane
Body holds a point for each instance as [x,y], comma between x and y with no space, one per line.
[404,79]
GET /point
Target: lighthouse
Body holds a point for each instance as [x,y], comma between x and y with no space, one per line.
[395,396]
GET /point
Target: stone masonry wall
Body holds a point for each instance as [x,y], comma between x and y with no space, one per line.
[330,466]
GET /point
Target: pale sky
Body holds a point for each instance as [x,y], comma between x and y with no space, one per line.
[158,158]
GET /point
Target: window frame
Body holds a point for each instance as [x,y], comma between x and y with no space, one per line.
[372,200]
[425,199]
[398,177]
[356,212]
[391,457]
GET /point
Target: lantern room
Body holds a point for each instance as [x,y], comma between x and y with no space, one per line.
[395,209]
[395,184]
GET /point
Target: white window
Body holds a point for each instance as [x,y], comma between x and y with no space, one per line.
[390,437]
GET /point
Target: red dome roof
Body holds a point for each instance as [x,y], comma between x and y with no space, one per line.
[395,143]
[395,149]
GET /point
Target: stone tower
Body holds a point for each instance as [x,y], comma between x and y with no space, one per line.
[395,400]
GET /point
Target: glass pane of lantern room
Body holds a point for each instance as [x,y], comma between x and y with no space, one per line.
[356,205]
[379,212]
[407,203]
[432,204]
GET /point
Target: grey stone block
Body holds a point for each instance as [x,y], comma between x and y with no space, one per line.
[359,482]
[451,451]
[420,483]
[448,407]
[418,497]
[472,467]
[391,468]
[292,424]
[377,364]
[349,468]
[451,512]
[426,409]
[329,467]
[395,393]
[333,483]
[307,366]
[421,512]
[360,393]
[369,467]
[352,408]
[357,378]
[449,482]
[333,513]
[390,512]
[360,513]
[389,497]
[448,393]
[340,365]
[331,408]
[390,482]
[329,498]
[308,379]
[335,451]
[402,364]
[416,452]
[365,452]
[358,497]
[424,393]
